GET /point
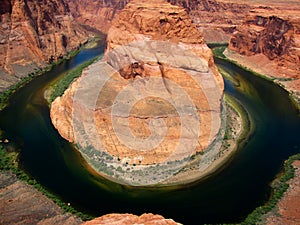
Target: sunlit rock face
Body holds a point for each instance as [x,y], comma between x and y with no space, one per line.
[155,98]
[270,45]
[123,219]
[34,33]
[217,19]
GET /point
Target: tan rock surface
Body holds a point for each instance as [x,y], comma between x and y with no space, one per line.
[124,219]
[156,68]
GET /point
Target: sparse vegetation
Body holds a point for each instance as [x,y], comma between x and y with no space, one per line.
[9,161]
[60,86]
[279,186]
[218,52]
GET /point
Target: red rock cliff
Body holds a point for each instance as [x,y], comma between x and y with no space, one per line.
[272,36]
[270,45]
[33,33]
[217,19]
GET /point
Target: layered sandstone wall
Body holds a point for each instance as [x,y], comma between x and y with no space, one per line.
[23,204]
[270,45]
[96,13]
[272,36]
[34,33]
[216,19]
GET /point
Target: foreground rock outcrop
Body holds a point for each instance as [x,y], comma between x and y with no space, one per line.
[33,34]
[23,204]
[124,219]
[153,102]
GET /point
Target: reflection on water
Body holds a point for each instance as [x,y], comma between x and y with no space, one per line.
[228,196]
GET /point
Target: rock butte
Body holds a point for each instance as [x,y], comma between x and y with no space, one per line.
[158,67]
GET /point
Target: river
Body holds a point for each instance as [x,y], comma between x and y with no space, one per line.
[227,196]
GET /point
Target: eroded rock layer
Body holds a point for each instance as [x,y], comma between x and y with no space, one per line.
[123,219]
[34,33]
[216,19]
[155,98]
[271,46]
[23,204]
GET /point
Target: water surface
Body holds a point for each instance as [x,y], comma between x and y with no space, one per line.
[227,196]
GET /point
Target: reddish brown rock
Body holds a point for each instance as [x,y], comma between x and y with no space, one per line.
[288,211]
[216,19]
[272,36]
[23,204]
[270,46]
[154,51]
[33,34]
[95,13]
[124,219]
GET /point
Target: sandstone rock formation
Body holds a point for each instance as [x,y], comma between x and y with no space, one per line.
[271,46]
[33,34]
[23,204]
[124,219]
[272,36]
[156,67]
[217,19]
[96,13]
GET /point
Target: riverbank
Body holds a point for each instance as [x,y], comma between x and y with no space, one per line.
[16,84]
[282,207]
[268,69]
[26,200]
[237,126]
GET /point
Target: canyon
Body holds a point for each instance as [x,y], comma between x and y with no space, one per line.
[32,37]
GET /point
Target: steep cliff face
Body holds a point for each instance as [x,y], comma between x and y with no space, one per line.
[33,33]
[271,46]
[216,19]
[156,68]
[96,13]
[23,204]
[271,36]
